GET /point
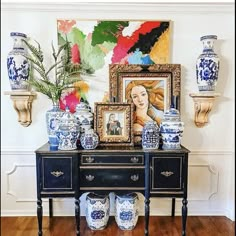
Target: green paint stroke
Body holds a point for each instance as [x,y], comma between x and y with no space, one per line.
[108,31]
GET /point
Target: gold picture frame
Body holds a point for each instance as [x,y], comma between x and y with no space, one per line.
[113,122]
[159,82]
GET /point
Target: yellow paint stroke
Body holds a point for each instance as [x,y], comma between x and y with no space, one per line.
[160,51]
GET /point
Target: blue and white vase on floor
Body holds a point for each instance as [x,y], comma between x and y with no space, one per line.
[207,66]
[126,215]
[97,210]
[18,65]
[52,120]
[171,129]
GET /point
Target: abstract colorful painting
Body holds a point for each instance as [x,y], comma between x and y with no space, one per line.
[98,43]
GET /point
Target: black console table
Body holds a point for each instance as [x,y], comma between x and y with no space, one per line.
[69,174]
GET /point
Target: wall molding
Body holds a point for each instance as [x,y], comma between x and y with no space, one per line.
[160,7]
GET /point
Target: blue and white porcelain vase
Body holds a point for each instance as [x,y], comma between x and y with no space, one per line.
[84,116]
[150,135]
[207,66]
[18,65]
[171,129]
[52,120]
[68,131]
[97,211]
[126,214]
[89,139]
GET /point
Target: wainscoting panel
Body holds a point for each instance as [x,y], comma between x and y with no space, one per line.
[207,187]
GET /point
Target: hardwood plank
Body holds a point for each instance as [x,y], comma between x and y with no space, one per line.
[159,226]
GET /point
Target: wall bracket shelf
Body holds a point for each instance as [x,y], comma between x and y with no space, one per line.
[22,102]
[203,103]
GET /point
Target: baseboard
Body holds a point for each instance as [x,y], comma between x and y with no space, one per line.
[154,212]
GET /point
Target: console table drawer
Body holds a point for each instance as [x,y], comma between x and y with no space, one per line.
[114,159]
[112,177]
[166,173]
[57,173]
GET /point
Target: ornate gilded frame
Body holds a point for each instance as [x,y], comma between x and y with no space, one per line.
[123,113]
[170,74]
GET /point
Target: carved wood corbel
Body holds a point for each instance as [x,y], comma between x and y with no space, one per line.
[22,102]
[203,103]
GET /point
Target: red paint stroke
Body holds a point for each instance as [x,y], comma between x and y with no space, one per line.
[124,43]
[75,54]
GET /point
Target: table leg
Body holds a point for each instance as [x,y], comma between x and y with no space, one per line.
[50,208]
[147,192]
[77,216]
[184,216]
[40,216]
[173,207]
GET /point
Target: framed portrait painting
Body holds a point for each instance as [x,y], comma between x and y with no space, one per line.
[113,122]
[152,89]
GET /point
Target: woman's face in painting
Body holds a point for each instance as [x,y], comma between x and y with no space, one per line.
[139,96]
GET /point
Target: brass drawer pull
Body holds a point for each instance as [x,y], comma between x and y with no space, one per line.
[134,177]
[89,177]
[57,173]
[167,173]
[134,159]
[89,159]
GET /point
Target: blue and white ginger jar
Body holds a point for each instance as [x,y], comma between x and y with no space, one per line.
[97,211]
[84,116]
[68,131]
[207,66]
[18,65]
[171,129]
[126,214]
[150,135]
[89,139]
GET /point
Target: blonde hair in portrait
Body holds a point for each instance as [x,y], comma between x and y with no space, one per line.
[147,90]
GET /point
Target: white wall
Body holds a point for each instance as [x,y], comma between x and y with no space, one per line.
[211,172]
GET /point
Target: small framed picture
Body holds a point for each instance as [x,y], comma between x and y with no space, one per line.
[113,122]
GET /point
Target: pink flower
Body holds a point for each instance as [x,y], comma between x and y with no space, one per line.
[75,54]
[65,26]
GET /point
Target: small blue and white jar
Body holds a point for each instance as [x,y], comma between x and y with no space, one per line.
[18,65]
[150,135]
[97,211]
[89,139]
[171,129]
[207,66]
[126,214]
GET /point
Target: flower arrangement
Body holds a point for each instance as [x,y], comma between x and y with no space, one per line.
[66,73]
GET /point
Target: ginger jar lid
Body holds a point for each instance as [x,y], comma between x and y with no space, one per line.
[171,115]
[82,106]
[67,120]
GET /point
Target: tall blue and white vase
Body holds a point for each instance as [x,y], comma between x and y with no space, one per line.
[18,65]
[171,129]
[126,214]
[52,120]
[97,211]
[207,66]
[150,135]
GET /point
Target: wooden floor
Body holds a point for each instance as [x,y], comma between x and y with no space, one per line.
[159,226]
